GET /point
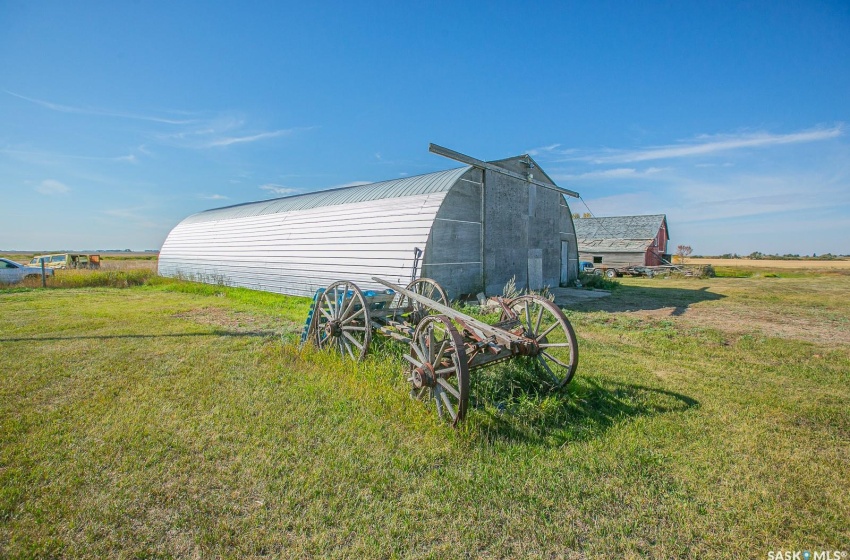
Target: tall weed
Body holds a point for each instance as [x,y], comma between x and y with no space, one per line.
[94,279]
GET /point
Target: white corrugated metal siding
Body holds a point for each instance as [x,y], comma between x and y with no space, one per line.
[296,251]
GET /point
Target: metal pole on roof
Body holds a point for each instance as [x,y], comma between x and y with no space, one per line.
[463,158]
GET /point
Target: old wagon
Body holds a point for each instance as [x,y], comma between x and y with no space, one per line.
[445,345]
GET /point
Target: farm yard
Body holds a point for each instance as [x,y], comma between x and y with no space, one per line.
[559,280]
[708,417]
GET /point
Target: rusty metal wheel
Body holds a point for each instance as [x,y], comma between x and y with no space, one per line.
[544,321]
[342,321]
[438,367]
[414,310]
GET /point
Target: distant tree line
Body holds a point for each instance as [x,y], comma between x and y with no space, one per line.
[758,255]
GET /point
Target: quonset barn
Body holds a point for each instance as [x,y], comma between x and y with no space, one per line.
[475,228]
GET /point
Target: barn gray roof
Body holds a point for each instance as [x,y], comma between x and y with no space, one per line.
[441,181]
[625,233]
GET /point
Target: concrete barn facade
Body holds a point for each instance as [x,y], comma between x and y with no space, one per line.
[476,229]
[619,241]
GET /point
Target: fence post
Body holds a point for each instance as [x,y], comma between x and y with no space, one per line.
[43,275]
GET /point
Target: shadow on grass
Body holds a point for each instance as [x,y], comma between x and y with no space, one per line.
[639,298]
[122,336]
[512,406]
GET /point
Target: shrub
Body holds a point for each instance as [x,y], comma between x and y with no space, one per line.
[597,281]
[510,291]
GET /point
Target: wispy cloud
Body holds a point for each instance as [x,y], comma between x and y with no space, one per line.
[550,150]
[379,158]
[230,140]
[735,195]
[215,197]
[136,216]
[279,189]
[288,191]
[49,158]
[122,212]
[52,187]
[200,132]
[221,132]
[766,201]
[617,173]
[99,112]
[351,184]
[710,144]
[625,204]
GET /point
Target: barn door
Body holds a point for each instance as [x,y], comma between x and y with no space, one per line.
[565,263]
[535,269]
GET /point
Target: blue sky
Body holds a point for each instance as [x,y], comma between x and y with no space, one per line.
[119,119]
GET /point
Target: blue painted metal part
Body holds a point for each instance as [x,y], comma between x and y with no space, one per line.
[370,295]
[306,330]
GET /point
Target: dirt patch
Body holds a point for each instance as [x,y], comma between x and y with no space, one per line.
[769,323]
[238,321]
[812,309]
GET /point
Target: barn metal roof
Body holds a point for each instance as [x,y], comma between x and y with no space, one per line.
[441,181]
[627,233]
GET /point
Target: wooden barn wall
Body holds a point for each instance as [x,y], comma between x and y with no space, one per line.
[615,259]
[453,256]
[653,257]
[298,252]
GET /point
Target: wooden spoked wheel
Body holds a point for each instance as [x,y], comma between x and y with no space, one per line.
[414,310]
[544,321]
[438,367]
[342,321]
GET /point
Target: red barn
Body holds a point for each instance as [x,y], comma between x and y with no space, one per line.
[619,241]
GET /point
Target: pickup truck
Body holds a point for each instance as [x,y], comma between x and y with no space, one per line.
[67,260]
[12,272]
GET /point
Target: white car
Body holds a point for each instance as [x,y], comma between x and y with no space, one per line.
[11,272]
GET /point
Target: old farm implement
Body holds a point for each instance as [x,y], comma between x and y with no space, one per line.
[445,345]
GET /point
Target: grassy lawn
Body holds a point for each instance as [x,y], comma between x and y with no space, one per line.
[707,418]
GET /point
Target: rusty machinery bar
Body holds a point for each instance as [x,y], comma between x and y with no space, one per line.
[493,343]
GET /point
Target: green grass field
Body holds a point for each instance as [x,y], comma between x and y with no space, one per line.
[708,418]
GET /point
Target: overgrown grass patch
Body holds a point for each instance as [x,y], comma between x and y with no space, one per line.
[86,279]
[294,308]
